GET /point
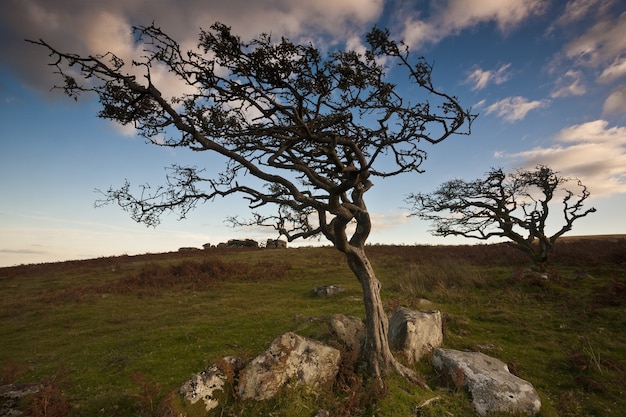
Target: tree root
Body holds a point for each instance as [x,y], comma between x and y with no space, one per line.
[409,374]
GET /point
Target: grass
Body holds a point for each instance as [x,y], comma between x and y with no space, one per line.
[117,336]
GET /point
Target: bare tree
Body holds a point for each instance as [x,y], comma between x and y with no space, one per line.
[514,206]
[312,131]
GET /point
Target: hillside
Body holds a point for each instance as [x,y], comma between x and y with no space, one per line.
[117,336]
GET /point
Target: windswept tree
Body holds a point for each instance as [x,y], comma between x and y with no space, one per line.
[299,130]
[514,206]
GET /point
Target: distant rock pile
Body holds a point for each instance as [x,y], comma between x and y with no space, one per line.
[238,243]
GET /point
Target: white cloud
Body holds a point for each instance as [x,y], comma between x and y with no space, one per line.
[569,84]
[481,78]
[616,102]
[90,27]
[513,109]
[594,152]
[600,44]
[616,70]
[453,16]
[460,14]
[388,220]
[577,10]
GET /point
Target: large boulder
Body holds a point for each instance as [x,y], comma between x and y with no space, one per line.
[415,333]
[209,386]
[289,359]
[349,330]
[492,387]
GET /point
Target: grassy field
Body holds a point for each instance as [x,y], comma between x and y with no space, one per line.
[117,336]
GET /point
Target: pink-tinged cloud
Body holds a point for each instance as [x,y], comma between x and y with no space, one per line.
[482,78]
[615,103]
[594,152]
[513,109]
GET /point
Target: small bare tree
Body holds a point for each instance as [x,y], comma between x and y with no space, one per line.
[514,206]
[298,130]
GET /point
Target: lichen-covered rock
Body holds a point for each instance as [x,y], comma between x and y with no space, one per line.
[415,333]
[348,329]
[208,386]
[492,387]
[289,359]
[12,396]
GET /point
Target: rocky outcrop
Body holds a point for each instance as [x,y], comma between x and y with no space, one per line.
[188,249]
[492,387]
[349,330]
[275,244]
[290,359]
[242,243]
[415,333]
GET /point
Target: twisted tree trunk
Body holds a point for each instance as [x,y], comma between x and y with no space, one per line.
[375,351]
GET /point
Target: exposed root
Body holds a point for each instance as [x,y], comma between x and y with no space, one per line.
[409,374]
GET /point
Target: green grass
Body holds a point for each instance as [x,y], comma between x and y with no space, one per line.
[117,336]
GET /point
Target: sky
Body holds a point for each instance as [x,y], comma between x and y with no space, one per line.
[547,78]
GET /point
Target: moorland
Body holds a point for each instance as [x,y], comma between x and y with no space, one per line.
[117,336]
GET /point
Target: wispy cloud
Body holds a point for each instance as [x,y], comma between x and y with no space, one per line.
[576,10]
[389,220]
[25,251]
[569,84]
[594,152]
[482,78]
[615,103]
[601,46]
[513,109]
[452,16]
[616,70]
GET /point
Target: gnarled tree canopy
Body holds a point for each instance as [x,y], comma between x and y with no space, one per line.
[514,206]
[313,130]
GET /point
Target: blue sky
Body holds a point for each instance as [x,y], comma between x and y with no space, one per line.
[548,79]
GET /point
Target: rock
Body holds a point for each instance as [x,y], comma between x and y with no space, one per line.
[275,244]
[12,395]
[289,359]
[349,330]
[207,246]
[415,333]
[492,387]
[245,243]
[327,290]
[188,249]
[208,385]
